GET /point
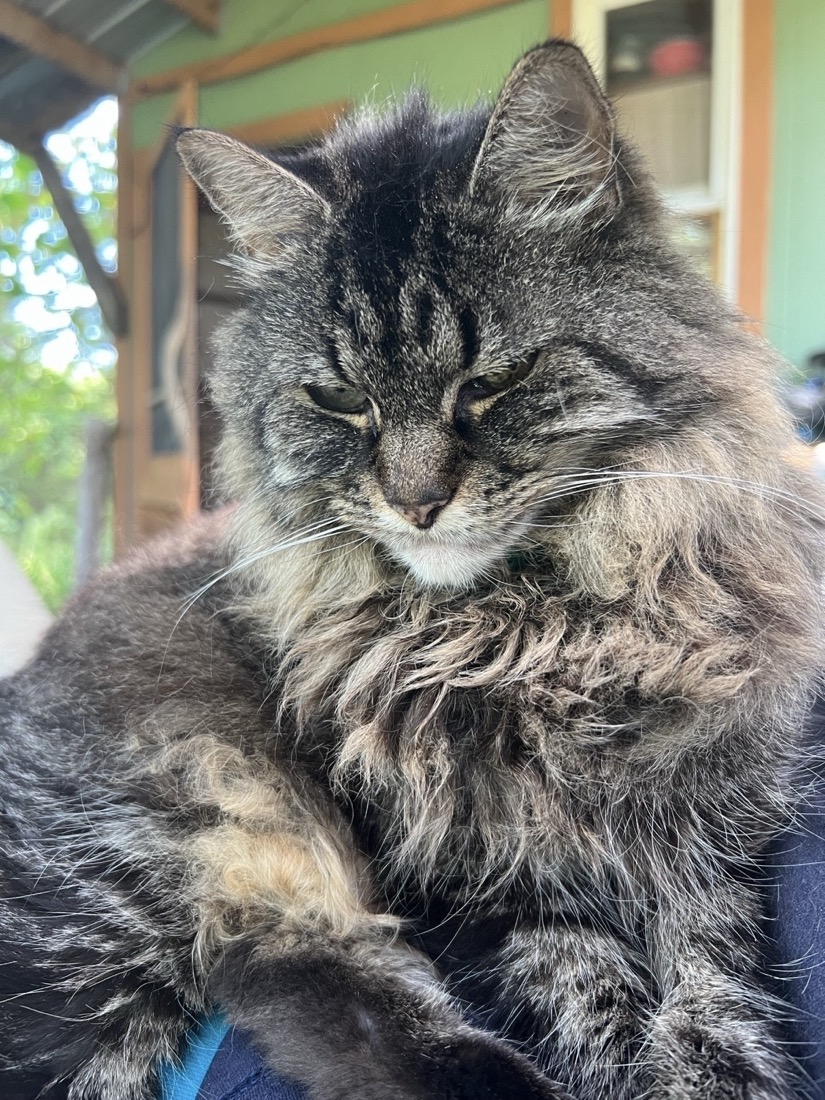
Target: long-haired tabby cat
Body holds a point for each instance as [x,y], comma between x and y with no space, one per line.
[443,764]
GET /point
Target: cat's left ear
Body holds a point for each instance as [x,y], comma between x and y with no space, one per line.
[549,149]
[262,203]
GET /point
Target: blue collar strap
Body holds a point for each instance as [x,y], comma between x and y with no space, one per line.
[183,1081]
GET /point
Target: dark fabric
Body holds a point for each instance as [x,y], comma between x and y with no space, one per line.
[238,1073]
[800,940]
[796,867]
[796,864]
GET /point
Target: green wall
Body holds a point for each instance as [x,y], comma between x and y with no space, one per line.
[456,60]
[796,259]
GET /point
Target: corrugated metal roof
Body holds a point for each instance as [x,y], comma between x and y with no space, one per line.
[37,95]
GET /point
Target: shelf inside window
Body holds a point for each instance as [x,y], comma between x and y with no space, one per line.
[629,83]
[670,122]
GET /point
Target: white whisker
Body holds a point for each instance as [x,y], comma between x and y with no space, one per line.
[575,486]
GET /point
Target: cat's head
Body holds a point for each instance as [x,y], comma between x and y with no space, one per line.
[452,319]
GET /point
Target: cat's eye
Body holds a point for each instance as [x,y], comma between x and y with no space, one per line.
[339,398]
[496,381]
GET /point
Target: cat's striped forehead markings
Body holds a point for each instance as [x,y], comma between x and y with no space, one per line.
[417,326]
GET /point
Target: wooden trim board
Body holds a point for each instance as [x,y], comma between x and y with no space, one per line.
[561,18]
[755,173]
[39,38]
[364,28]
[204,13]
[281,129]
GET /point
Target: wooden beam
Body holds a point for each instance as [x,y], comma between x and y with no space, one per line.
[755,170]
[206,13]
[296,126]
[108,291]
[364,28]
[35,35]
[54,116]
[167,487]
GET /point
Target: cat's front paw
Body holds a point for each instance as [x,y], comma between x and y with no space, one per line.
[724,1059]
[465,1066]
[477,1066]
[351,1031]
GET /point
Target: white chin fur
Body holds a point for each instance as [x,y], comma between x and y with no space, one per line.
[438,566]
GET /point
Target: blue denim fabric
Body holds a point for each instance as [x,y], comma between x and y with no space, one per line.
[238,1073]
[219,1064]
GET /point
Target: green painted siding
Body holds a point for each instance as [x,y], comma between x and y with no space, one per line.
[457,61]
[796,266]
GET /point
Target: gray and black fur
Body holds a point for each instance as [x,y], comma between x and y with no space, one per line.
[481,702]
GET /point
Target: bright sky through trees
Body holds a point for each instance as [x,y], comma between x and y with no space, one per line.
[56,358]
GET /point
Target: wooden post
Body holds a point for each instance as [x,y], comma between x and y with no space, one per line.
[95,480]
[167,486]
[189,253]
[126,439]
[755,172]
[561,18]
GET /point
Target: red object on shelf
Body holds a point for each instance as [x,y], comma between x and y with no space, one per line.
[677,56]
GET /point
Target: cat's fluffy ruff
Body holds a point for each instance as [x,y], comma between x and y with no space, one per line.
[545,757]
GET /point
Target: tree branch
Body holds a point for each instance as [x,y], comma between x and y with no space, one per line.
[109,293]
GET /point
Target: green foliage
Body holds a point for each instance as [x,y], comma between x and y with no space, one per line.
[56,359]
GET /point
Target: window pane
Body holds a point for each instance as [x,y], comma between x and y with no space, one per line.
[659,75]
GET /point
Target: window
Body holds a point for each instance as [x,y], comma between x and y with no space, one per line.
[671,68]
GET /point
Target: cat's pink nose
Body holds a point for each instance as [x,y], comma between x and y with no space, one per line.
[421,513]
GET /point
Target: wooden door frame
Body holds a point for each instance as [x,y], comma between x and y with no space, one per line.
[168,485]
[154,491]
[756,155]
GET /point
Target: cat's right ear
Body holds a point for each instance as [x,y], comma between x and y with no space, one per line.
[550,146]
[263,203]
